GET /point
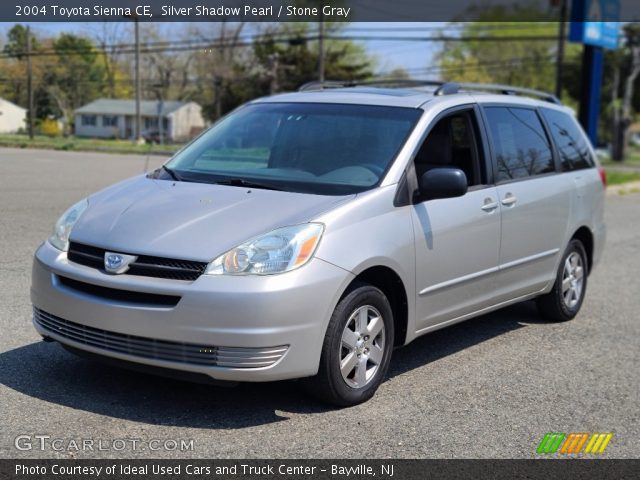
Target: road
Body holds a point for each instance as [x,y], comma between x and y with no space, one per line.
[490,387]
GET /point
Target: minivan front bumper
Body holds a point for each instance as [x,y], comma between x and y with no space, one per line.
[231,328]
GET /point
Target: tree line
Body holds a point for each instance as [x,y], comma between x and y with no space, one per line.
[219,66]
[222,65]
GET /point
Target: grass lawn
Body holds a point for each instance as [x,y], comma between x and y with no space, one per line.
[81,144]
[632,159]
[616,177]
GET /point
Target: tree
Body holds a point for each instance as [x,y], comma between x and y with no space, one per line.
[282,58]
[491,55]
[77,78]
[16,46]
[108,37]
[13,68]
[298,59]
[627,59]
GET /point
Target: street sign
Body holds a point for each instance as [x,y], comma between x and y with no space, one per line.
[595,22]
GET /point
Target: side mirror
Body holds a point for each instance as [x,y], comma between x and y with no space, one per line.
[442,183]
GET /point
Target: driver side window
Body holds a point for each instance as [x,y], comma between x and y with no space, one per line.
[453,143]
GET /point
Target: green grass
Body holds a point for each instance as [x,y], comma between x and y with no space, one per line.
[616,177]
[632,158]
[81,144]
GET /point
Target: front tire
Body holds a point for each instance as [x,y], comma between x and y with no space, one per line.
[356,350]
[564,300]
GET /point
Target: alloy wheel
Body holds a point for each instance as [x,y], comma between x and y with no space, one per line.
[362,346]
[572,279]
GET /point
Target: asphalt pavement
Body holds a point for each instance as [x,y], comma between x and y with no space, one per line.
[490,387]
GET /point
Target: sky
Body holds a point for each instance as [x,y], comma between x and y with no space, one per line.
[410,55]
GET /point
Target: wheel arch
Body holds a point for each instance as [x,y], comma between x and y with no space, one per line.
[390,283]
[586,238]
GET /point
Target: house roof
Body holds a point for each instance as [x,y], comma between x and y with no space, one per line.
[148,108]
[10,104]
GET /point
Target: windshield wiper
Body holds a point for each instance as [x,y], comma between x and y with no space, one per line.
[241,182]
[171,173]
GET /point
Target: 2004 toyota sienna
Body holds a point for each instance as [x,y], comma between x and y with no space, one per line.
[308,234]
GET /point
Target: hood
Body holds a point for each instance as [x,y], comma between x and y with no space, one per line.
[191,221]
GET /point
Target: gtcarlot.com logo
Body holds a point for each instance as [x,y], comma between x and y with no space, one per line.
[46,442]
[574,443]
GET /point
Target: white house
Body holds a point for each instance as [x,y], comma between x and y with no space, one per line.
[107,118]
[12,117]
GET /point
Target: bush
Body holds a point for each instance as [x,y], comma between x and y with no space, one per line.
[50,128]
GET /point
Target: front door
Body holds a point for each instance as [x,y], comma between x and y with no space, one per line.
[457,240]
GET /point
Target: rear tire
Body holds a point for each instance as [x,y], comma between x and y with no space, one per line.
[356,350]
[564,300]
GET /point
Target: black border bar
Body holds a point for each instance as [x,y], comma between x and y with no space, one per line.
[584,469]
[23,11]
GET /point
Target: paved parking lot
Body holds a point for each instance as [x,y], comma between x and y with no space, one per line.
[491,387]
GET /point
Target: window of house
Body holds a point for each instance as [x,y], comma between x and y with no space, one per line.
[452,142]
[151,123]
[89,120]
[109,121]
[571,142]
[520,144]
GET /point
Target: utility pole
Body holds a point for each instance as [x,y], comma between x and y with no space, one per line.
[560,49]
[321,49]
[217,87]
[158,89]
[30,82]
[274,64]
[138,132]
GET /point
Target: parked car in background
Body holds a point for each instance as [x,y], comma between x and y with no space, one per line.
[152,136]
[307,235]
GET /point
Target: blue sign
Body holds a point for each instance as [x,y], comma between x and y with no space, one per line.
[595,22]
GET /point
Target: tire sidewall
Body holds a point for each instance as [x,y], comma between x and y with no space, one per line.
[364,295]
[569,313]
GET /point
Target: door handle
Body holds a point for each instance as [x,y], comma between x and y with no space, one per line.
[509,199]
[489,205]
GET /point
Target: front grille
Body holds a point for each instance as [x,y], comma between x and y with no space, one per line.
[118,295]
[145,265]
[186,353]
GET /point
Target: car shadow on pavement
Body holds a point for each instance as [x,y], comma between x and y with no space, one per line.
[447,341]
[47,372]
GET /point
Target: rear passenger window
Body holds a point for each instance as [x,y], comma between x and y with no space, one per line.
[569,139]
[520,144]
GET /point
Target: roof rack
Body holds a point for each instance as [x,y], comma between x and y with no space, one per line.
[401,82]
[509,90]
[443,88]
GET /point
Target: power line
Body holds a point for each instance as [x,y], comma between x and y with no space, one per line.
[193,45]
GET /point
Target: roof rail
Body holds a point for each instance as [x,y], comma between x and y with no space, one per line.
[321,85]
[443,88]
[509,90]
[400,82]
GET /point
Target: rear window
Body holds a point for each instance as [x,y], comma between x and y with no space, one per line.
[571,143]
[520,144]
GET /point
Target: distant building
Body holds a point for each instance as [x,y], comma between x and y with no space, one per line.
[12,117]
[107,118]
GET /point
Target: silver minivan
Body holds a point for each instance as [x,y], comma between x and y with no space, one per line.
[306,235]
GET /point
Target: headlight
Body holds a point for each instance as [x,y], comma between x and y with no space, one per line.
[61,231]
[278,251]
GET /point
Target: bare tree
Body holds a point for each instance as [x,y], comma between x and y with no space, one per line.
[217,67]
[169,74]
[109,38]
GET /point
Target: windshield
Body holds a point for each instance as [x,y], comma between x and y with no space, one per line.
[330,149]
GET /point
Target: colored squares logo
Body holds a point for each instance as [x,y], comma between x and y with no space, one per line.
[574,443]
